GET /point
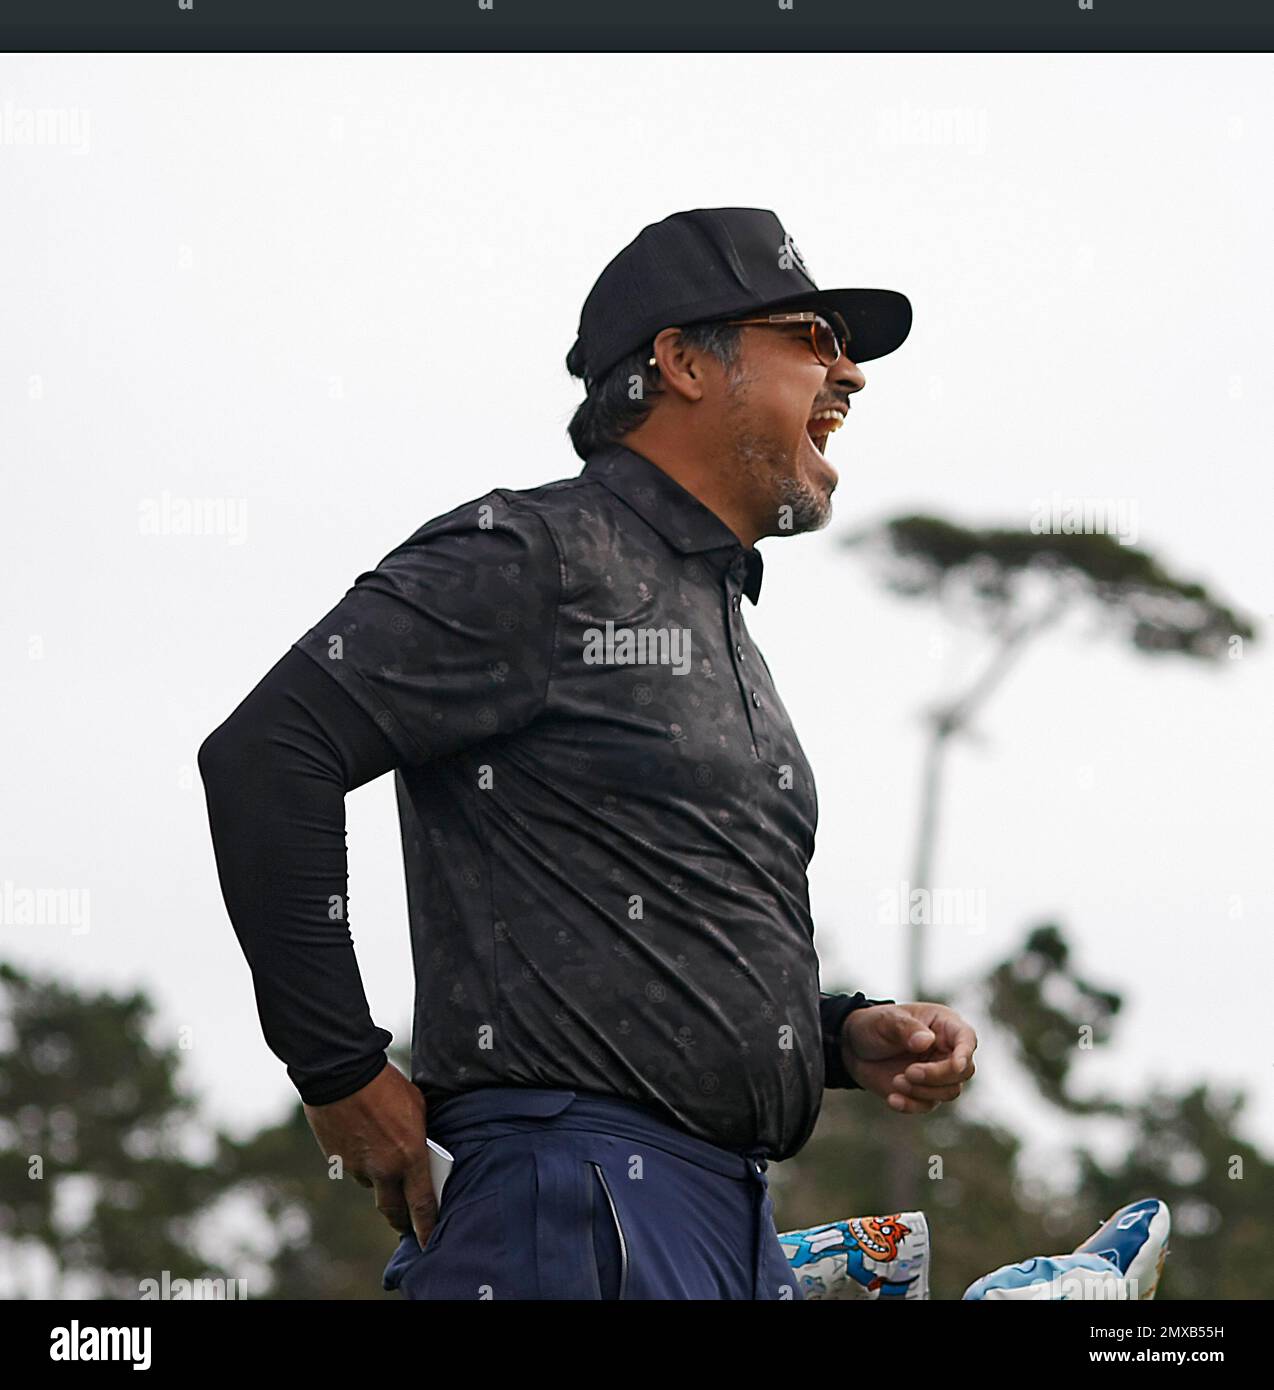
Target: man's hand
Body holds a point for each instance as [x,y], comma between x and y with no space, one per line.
[914,1056]
[379,1132]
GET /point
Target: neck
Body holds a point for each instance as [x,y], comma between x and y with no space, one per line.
[709,479]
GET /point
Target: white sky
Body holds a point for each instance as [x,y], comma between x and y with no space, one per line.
[336,292]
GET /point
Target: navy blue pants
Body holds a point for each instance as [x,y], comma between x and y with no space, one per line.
[559,1195]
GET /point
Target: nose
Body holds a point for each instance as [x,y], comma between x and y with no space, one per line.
[846,375]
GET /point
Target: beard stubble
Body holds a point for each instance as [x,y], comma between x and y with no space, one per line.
[792,503]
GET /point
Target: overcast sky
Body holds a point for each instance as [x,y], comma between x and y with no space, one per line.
[332,295]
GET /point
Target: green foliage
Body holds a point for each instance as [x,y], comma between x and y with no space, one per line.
[990,568]
[83,1085]
[329,1241]
[976,1219]
[1044,1036]
[87,1097]
[966,1174]
[1186,1150]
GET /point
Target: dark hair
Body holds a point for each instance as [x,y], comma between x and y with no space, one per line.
[609,409]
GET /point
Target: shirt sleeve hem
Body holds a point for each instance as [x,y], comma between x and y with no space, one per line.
[333,1089]
[374,706]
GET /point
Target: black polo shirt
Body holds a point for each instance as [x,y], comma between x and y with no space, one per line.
[607,817]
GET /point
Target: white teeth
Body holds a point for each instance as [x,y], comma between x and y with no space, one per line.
[834,418]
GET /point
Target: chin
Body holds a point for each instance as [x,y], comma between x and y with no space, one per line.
[810,508]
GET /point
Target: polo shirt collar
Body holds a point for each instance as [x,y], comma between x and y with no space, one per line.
[664,505]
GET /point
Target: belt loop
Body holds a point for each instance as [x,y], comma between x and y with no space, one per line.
[757,1160]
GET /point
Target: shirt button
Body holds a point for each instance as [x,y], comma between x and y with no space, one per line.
[756,699]
[738,647]
[734,602]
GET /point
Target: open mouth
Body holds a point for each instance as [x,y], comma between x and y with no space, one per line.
[822,425]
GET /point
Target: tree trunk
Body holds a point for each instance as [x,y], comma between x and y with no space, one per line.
[903,1179]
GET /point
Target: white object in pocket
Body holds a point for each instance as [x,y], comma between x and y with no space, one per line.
[440,1162]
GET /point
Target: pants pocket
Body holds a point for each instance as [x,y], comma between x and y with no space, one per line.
[464,1257]
[581,1248]
[610,1246]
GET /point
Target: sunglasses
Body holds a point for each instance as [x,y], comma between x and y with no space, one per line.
[827,340]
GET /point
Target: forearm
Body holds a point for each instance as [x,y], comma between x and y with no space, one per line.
[275,774]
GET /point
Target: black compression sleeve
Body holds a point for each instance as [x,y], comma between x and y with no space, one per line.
[275,774]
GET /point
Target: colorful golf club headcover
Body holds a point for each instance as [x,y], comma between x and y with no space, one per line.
[1122,1259]
[862,1257]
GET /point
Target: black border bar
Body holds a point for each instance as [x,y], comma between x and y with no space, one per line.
[682,26]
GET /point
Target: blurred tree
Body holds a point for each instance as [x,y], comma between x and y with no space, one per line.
[120,1200]
[977,1217]
[1186,1150]
[1043,1034]
[1014,585]
[93,1179]
[103,1185]
[964,1172]
[327,1238]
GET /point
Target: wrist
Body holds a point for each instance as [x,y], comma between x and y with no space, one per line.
[835,1012]
[329,1091]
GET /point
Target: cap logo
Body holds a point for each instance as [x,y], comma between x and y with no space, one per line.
[790,256]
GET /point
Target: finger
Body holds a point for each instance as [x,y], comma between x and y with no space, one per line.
[887,1029]
[911,1086]
[932,1074]
[392,1205]
[905,1105]
[939,1093]
[906,1028]
[941,1072]
[960,1040]
[422,1204]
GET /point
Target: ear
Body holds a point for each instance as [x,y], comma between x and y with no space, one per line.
[681,367]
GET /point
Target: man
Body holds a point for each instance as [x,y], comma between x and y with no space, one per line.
[606,817]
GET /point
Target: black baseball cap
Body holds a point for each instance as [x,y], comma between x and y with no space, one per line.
[714,263]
